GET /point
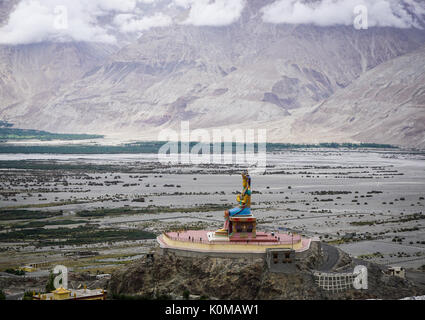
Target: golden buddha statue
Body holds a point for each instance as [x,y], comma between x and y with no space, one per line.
[244,208]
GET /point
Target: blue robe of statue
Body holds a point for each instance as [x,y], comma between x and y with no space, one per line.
[240,211]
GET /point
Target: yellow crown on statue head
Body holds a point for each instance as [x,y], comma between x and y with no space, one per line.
[246,178]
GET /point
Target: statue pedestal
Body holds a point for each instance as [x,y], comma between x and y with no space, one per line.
[239,228]
[244,227]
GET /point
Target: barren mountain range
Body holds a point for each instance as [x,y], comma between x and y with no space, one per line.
[302,82]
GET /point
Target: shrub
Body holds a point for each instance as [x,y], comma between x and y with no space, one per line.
[16,272]
[27,295]
[186,294]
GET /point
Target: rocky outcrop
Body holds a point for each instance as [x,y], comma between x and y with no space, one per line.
[211,277]
[223,278]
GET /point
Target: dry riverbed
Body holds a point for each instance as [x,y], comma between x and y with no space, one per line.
[369,203]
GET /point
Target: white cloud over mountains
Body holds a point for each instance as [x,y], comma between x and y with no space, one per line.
[380,13]
[35,21]
[132,23]
[40,20]
[212,13]
[101,20]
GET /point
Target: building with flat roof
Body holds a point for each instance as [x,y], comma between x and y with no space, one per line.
[397,271]
[72,294]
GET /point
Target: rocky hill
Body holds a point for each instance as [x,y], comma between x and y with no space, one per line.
[221,278]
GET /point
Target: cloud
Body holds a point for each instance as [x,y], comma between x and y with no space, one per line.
[381,13]
[35,21]
[129,23]
[212,12]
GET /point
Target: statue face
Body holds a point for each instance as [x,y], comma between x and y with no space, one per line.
[245,178]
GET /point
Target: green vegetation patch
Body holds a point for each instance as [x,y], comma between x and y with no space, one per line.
[364,223]
[16,272]
[150,210]
[26,214]
[328,145]
[149,146]
[75,236]
[8,133]
[146,147]
[41,224]
[371,256]
[46,205]
[411,217]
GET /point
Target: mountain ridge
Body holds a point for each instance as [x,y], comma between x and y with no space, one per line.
[248,74]
[385,104]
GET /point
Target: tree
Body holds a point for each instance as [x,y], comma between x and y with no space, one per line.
[186,294]
[50,283]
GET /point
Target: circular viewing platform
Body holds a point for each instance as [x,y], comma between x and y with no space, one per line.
[208,241]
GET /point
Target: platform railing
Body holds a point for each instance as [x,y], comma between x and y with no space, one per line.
[295,240]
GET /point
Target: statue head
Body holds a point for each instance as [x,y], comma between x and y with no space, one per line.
[246,180]
[245,177]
